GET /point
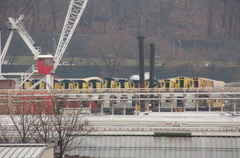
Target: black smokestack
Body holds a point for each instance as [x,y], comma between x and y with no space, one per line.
[141,70]
[141,60]
[152,63]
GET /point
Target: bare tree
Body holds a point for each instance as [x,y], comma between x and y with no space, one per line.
[214,57]
[7,131]
[224,14]
[232,12]
[110,50]
[123,13]
[24,126]
[66,128]
[210,6]
[139,17]
[236,58]
[53,11]
[62,126]
[103,15]
[38,117]
[22,117]
[188,5]
[3,9]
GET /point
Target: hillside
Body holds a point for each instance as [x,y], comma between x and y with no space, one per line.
[184,31]
[185,19]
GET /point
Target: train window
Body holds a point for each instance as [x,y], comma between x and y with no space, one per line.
[196,84]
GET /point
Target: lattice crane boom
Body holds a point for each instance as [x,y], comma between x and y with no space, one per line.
[75,11]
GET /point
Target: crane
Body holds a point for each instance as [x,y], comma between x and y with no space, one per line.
[17,24]
[75,11]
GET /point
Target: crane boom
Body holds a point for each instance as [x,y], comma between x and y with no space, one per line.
[75,11]
[4,52]
[18,25]
[74,14]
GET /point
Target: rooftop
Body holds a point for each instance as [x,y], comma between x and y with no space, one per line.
[24,150]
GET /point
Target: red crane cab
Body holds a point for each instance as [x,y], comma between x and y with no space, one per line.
[45,64]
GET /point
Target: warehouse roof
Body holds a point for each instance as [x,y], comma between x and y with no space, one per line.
[155,147]
[24,150]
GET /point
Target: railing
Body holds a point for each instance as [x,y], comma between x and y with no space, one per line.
[25,77]
[222,90]
[122,99]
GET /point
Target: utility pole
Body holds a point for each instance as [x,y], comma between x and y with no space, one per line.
[180,47]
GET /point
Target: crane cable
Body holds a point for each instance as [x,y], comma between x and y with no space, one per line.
[27,7]
[23,11]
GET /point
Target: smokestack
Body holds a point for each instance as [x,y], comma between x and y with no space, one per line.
[141,70]
[152,56]
[141,60]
